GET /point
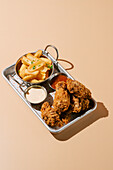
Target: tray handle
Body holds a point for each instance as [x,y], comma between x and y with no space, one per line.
[57,58]
[71,65]
[55,50]
[20,84]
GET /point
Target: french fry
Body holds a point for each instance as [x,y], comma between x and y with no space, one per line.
[26,61]
[41,76]
[38,54]
[36,66]
[29,77]
[46,60]
[32,73]
[22,70]
[44,69]
[31,57]
[35,81]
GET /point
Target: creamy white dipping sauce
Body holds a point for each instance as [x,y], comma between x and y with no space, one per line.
[36,95]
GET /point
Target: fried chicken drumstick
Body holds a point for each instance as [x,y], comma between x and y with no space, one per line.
[79,104]
[49,114]
[78,89]
[62,98]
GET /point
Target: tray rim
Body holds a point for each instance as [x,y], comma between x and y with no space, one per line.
[49,128]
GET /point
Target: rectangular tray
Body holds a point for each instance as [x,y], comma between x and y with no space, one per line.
[36,108]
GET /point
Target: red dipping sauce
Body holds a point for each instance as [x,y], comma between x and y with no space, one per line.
[57,79]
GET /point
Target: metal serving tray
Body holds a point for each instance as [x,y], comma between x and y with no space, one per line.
[9,71]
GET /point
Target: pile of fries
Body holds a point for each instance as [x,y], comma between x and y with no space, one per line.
[35,67]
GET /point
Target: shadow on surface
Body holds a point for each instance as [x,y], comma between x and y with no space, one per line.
[81,124]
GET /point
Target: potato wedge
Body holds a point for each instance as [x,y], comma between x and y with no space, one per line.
[31,57]
[38,54]
[46,60]
[44,69]
[35,81]
[32,73]
[36,66]
[26,61]
[22,70]
[41,76]
[29,77]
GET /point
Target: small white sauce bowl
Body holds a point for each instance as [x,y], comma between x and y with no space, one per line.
[35,87]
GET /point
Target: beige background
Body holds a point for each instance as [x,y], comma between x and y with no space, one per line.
[82,30]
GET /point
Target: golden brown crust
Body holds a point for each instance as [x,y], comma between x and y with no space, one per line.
[62,98]
[61,84]
[50,116]
[85,104]
[78,89]
[75,105]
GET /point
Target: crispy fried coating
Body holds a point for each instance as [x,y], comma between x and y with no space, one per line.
[79,104]
[62,98]
[66,116]
[45,107]
[75,105]
[85,104]
[50,116]
[61,84]
[79,90]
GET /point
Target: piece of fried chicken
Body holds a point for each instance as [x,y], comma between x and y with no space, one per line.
[85,104]
[52,118]
[79,104]
[49,114]
[78,89]
[62,98]
[75,104]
